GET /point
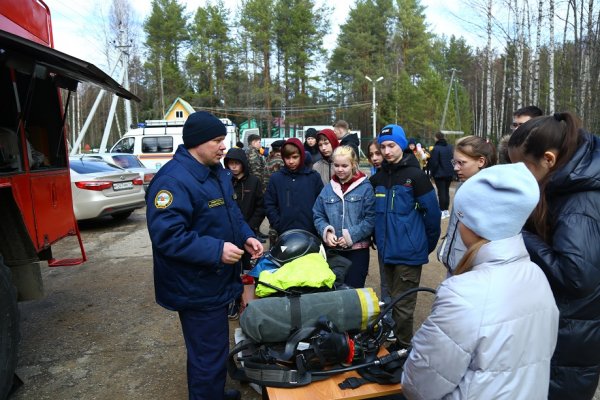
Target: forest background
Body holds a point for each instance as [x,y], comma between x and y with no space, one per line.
[267,61]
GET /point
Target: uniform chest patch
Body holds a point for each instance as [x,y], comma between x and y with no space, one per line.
[408,182]
[163,199]
[216,203]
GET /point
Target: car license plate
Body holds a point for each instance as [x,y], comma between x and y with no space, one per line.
[122,186]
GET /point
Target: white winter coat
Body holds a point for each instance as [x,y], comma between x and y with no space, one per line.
[491,332]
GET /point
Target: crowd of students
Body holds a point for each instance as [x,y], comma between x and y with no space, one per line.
[520,248]
[397,210]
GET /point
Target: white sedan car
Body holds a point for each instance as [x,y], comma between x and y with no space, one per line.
[100,189]
[126,161]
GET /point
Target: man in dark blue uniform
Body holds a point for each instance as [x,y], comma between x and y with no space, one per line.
[198,235]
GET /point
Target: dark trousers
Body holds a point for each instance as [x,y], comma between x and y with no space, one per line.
[358,271]
[385,288]
[401,278]
[443,191]
[206,335]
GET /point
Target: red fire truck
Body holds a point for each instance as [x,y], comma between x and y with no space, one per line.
[36,207]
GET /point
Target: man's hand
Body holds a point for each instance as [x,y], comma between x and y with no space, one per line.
[231,253]
[254,247]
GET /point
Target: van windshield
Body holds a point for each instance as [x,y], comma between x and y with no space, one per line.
[124,145]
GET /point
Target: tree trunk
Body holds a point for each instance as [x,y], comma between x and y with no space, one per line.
[519,63]
[551,95]
[536,73]
[502,122]
[489,100]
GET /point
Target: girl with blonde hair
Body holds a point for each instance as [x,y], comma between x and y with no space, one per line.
[344,214]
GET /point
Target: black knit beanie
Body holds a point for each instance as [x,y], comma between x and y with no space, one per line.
[200,127]
[310,132]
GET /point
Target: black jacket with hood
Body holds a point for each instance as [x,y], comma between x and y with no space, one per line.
[571,262]
[440,162]
[352,140]
[248,191]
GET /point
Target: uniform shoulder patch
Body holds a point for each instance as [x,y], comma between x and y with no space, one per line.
[163,199]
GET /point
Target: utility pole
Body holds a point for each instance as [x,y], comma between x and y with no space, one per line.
[374,103]
[88,121]
[447,99]
[124,57]
[450,87]
[124,48]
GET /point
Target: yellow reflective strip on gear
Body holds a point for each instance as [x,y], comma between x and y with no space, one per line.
[379,194]
[362,298]
[372,305]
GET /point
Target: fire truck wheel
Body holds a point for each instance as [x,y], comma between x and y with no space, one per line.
[121,216]
[9,330]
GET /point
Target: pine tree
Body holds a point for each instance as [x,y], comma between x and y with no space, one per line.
[166,33]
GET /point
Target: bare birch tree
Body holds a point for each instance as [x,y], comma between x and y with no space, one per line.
[520,22]
[489,62]
[536,73]
[551,95]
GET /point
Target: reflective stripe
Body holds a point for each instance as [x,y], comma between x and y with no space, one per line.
[369,306]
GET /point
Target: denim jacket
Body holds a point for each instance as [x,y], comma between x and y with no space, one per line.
[350,214]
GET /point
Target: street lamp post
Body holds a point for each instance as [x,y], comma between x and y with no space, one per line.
[374,103]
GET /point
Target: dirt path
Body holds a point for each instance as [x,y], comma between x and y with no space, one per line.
[98,333]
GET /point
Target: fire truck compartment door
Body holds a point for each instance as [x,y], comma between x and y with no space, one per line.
[60,64]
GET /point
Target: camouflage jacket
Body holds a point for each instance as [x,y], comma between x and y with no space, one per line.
[257,165]
[273,164]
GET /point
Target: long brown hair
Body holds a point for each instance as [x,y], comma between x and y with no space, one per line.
[559,132]
[466,263]
[475,147]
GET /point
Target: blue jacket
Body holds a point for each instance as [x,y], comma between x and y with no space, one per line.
[440,162]
[350,214]
[407,222]
[290,197]
[190,214]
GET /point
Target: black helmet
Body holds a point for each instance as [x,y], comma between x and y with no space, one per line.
[293,244]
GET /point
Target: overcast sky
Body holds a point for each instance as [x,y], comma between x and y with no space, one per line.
[78,25]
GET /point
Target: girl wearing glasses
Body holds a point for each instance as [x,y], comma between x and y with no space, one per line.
[471,155]
[562,237]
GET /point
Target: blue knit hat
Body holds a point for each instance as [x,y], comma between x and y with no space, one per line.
[496,202]
[394,133]
[200,127]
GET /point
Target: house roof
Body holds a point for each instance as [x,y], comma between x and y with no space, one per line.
[185,105]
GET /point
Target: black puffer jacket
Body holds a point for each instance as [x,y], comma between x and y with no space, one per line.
[571,263]
[248,191]
[352,140]
[440,162]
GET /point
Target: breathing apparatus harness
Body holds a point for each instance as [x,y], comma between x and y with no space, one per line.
[317,352]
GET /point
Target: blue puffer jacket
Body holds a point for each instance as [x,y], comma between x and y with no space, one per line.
[407,222]
[440,162]
[571,263]
[190,214]
[290,197]
[350,214]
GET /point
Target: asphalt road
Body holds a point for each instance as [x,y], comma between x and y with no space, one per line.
[98,333]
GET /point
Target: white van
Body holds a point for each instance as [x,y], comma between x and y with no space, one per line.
[155,141]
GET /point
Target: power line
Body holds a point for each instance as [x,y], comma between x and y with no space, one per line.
[294,109]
